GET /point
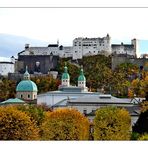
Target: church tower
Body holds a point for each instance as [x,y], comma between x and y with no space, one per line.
[81,79]
[65,77]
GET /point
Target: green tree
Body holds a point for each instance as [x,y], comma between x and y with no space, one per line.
[111,123]
[16,125]
[65,124]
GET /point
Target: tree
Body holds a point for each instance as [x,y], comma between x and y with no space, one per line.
[16,125]
[112,123]
[36,112]
[65,124]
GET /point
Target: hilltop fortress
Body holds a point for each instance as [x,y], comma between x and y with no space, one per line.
[85,47]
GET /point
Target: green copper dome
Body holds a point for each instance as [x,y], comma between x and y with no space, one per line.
[65,75]
[26,85]
[81,77]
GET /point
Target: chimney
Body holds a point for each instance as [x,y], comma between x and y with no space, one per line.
[26,46]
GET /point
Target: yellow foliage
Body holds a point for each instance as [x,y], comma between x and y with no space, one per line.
[16,125]
[144,137]
[144,106]
[112,123]
[65,124]
[130,93]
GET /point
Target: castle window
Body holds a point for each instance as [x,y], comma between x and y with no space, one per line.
[21,96]
[84,111]
[28,96]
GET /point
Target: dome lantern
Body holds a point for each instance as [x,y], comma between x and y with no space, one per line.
[81,79]
[65,76]
[26,74]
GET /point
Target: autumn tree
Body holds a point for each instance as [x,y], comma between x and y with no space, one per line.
[16,125]
[46,83]
[65,124]
[36,112]
[7,89]
[112,123]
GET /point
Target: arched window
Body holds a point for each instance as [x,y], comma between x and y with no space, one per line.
[21,96]
[28,96]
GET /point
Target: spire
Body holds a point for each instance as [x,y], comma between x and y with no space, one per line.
[81,79]
[65,76]
[65,68]
[26,74]
[81,76]
[81,71]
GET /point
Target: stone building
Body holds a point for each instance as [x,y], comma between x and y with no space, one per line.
[91,46]
[126,49]
[83,47]
[36,63]
[7,67]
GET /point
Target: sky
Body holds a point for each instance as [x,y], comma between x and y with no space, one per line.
[65,24]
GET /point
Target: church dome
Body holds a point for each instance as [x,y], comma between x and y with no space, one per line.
[26,85]
[65,75]
[81,76]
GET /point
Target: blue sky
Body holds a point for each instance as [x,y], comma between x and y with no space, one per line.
[143,45]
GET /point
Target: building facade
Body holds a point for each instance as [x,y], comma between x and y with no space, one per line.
[126,49]
[91,46]
[7,67]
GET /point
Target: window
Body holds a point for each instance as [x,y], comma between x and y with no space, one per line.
[34,96]
[82,82]
[84,111]
[28,96]
[21,96]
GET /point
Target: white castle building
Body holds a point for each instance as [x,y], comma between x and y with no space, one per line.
[84,47]
[7,67]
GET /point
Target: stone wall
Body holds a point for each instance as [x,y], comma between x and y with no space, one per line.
[117,60]
[37,63]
